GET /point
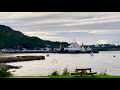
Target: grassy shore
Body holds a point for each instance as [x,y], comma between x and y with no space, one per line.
[68,76]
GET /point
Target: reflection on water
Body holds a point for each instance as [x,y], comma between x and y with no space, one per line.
[104,61]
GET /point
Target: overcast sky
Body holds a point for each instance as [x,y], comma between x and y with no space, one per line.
[86,27]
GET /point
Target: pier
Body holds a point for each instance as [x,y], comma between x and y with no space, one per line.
[20,58]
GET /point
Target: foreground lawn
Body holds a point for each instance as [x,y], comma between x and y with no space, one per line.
[89,76]
[68,76]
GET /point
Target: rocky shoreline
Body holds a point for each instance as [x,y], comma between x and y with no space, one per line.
[20,58]
[2,65]
[12,67]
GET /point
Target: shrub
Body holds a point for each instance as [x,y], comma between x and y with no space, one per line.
[4,72]
[65,72]
[55,73]
[104,73]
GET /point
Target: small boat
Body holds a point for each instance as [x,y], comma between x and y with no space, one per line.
[47,55]
[91,54]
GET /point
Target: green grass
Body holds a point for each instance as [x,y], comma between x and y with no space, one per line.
[68,76]
[88,76]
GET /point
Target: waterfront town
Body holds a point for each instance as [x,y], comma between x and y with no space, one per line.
[98,47]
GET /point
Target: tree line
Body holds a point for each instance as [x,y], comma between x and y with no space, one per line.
[11,39]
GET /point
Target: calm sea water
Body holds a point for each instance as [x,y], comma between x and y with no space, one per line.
[101,62]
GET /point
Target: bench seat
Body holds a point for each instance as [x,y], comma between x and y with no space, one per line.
[72,73]
[91,73]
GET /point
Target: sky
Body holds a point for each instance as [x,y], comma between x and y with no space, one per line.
[87,27]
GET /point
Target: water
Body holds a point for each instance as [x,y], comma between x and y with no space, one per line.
[99,62]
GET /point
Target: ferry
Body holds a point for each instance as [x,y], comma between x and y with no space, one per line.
[74,47]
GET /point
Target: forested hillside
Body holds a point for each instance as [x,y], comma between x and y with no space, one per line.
[10,38]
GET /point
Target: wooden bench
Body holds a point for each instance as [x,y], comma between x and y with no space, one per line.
[91,73]
[83,71]
[72,73]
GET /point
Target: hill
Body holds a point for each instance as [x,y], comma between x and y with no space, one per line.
[10,38]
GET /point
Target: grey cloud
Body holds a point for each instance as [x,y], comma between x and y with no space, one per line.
[99,26]
[96,26]
[60,26]
[55,22]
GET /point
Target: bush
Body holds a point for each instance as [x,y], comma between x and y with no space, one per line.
[55,73]
[4,72]
[104,73]
[65,72]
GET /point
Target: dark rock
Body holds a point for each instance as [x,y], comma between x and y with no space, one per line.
[13,67]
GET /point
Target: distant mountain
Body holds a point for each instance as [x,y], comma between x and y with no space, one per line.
[10,38]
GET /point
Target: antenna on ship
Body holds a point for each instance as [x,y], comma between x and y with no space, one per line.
[82,44]
[74,41]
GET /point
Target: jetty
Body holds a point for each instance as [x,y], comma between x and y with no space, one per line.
[20,58]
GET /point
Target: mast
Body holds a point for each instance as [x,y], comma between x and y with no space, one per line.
[82,44]
[82,47]
[74,41]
